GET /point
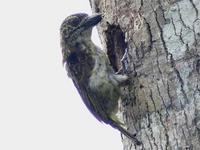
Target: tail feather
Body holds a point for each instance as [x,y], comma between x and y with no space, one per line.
[126,133]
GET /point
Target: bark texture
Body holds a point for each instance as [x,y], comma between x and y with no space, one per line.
[161,105]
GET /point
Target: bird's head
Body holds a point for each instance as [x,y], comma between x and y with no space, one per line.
[78,27]
[76,30]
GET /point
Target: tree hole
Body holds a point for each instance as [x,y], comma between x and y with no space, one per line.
[116,45]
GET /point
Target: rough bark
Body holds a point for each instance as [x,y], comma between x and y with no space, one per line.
[162,103]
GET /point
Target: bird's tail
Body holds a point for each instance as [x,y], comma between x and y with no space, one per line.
[126,133]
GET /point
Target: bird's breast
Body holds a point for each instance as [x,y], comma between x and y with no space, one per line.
[80,66]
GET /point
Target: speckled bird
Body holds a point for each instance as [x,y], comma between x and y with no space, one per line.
[89,68]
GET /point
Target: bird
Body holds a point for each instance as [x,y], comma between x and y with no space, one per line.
[90,70]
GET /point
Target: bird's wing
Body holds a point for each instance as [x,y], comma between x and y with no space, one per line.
[86,99]
[79,70]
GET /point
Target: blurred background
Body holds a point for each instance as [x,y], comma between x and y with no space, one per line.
[39,107]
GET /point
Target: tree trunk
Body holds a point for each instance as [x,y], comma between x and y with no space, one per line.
[161,105]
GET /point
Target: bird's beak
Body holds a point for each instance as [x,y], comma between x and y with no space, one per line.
[92,20]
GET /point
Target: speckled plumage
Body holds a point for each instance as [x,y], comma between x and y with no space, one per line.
[90,69]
